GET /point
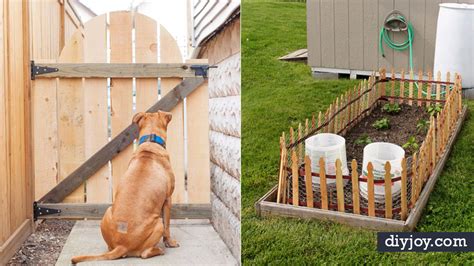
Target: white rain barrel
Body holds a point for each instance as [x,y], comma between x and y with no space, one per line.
[331,147]
[379,153]
[454,51]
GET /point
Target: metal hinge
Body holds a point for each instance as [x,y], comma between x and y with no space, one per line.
[40,211]
[38,70]
[201,70]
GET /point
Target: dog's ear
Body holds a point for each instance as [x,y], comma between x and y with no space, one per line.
[137,117]
[166,115]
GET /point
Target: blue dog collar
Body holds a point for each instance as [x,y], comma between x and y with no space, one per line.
[152,138]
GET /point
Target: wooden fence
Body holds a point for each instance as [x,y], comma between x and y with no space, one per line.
[16,177]
[93,96]
[295,175]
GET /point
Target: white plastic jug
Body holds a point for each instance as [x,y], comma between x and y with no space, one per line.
[454,49]
[331,147]
[379,153]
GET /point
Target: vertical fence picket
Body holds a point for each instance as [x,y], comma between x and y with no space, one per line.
[309,182]
[438,86]
[323,184]
[339,186]
[282,173]
[420,88]
[388,191]
[429,89]
[355,187]
[402,86]
[414,174]
[403,197]
[370,189]
[382,85]
[295,177]
[95,108]
[410,88]
[300,145]
[121,97]
[320,117]
[392,86]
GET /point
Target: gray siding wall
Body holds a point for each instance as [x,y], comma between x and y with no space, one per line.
[344,34]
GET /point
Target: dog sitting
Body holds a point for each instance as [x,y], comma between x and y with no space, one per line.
[140,215]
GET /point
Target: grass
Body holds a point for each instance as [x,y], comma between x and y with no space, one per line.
[277,95]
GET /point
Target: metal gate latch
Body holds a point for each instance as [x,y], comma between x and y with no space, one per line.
[40,211]
[38,70]
[201,70]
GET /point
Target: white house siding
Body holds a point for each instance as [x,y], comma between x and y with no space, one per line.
[223,51]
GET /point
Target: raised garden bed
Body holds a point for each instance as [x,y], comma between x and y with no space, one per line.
[352,115]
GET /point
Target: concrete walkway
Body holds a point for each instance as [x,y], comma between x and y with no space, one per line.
[199,245]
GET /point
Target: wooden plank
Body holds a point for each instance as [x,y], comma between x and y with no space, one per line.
[355,187]
[323,184]
[121,102]
[266,207]
[341,33]
[370,189]
[371,34]
[414,178]
[4,128]
[402,87]
[420,88]
[198,172]
[428,89]
[295,177]
[339,186]
[119,70]
[169,53]
[117,144]
[71,118]
[97,210]
[388,191]
[14,242]
[95,108]
[410,88]
[404,201]
[327,34]
[417,210]
[313,20]
[282,173]
[308,182]
[356,34]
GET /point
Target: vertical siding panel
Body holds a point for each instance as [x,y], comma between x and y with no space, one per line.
[431,21]
[313,29]
[400,58]
[385,6]
[341,22]
[417,18]
[356,41]
[327,33]
[370,35]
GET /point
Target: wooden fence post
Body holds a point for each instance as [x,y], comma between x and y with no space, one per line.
[420,88]
[323,184]
[388,191]
[295,177]
[309,182]
[355,187]
[370,189]
[339,186]
[404,207]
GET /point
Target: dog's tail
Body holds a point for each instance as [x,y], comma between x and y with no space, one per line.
[116,253]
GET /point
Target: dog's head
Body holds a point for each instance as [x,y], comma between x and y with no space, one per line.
[156,123]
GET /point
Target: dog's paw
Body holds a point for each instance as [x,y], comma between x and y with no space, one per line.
[170,243]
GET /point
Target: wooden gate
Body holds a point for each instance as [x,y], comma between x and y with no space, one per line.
[122,63]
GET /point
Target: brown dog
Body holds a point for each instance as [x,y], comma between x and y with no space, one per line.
[133,226]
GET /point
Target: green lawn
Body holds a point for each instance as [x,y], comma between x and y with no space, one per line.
[277,95]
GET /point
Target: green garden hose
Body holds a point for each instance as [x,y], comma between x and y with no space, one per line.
[396,16]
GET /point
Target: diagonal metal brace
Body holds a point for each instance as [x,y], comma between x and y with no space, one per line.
[201,70]
[40,211]
[38,70]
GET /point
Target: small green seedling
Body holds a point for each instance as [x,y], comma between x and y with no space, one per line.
[411,145]
[434,109]
[422,126]
[391,108]
[382,124]
[363,140]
